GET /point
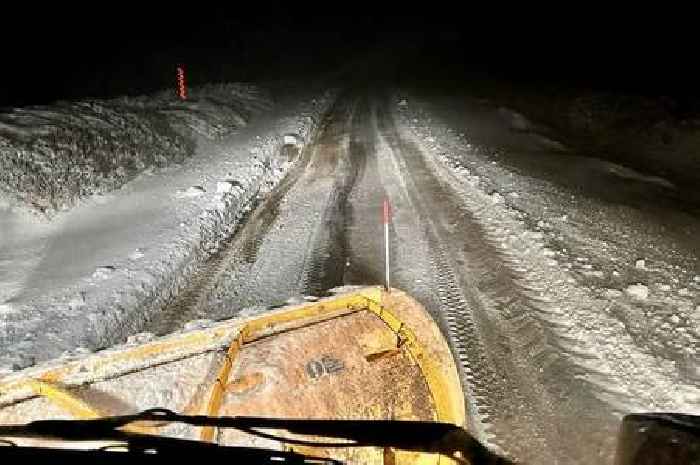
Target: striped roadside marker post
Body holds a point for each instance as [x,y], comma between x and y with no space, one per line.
[181,89]
[387,217]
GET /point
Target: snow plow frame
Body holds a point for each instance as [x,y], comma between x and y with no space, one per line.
[53,380]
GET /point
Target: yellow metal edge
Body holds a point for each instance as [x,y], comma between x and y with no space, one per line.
[217,390]
[64,399]
[368,298]
[304,312]
[256,326]
[47,384]
[73,405]
[446,397]
[184,345]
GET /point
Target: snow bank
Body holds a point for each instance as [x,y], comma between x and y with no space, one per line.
[652,135]
[51,156]
[214,110]
[624,351]
[140,268]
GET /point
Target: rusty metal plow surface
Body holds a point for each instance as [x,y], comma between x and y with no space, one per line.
[363,355]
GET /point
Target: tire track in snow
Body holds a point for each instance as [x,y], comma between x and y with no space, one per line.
[300,239]
[353,233]
[477,287]
[209,293]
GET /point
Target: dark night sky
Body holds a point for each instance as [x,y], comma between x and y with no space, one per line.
[64,51]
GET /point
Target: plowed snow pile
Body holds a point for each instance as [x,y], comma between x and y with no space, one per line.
[93,275]
[633,321]
[51,156]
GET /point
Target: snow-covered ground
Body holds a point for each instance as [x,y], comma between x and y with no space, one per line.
[654,135]
[614,260]
[52,156]
[568,283]
[92,275]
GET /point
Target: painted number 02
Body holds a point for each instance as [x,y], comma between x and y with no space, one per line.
[326,365]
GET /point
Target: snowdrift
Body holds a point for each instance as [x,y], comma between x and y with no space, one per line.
[51,156]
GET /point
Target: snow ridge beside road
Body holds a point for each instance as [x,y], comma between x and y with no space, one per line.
[53,156]
[633,377]
[131,251]
[607,340]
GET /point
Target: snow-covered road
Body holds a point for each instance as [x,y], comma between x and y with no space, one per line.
[549,367]
[590,291]
[94,275]
[567,302]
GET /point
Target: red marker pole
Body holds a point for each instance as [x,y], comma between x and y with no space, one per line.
[387,217]
[181,89]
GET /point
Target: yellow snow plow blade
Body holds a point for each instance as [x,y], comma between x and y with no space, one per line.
[368,354]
